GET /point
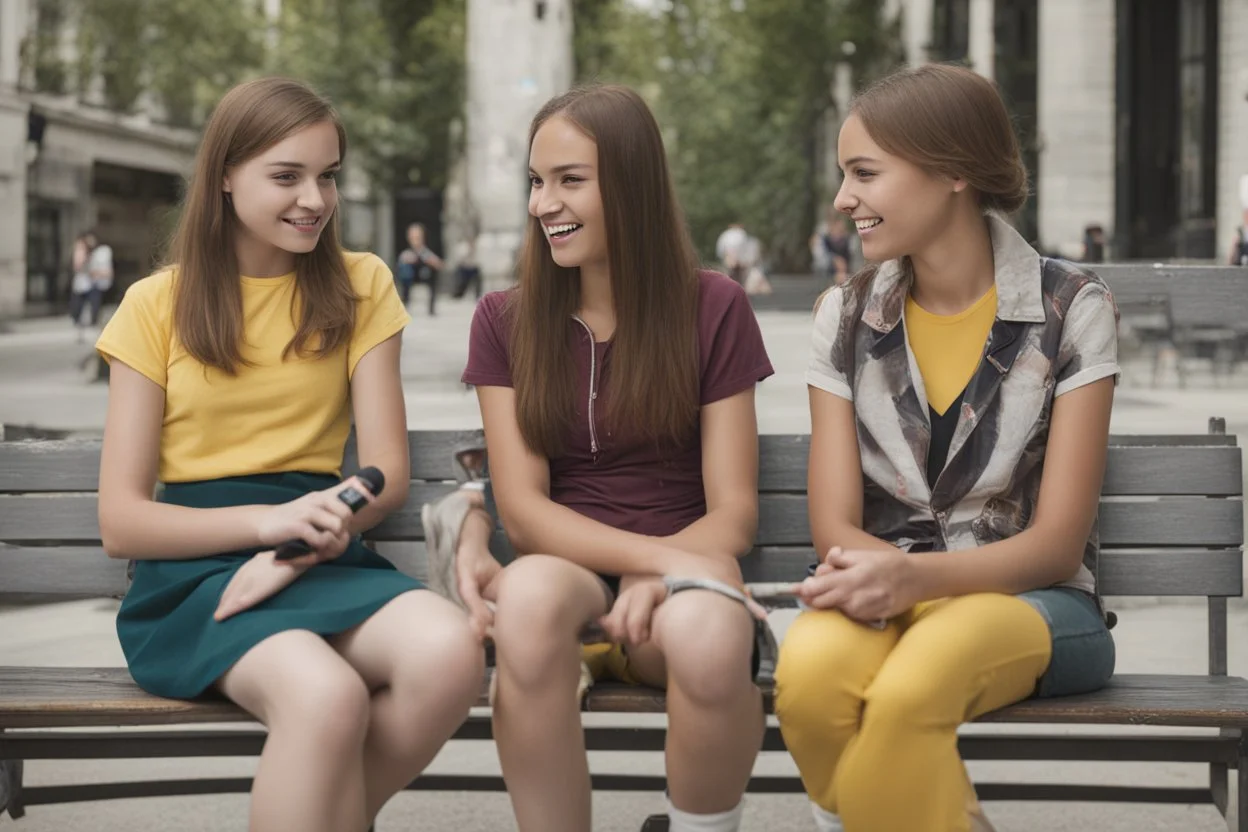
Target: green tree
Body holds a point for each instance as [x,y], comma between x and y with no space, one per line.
[185,52]
[395,71]
[742,89]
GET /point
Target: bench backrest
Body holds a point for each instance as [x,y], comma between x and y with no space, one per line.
[1192,296]
[1171,518]
[1171,515]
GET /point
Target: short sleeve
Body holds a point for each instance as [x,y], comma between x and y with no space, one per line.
[488,364]
[737,358]
[822,372]
[138,334]
[1089,345]
[379,314]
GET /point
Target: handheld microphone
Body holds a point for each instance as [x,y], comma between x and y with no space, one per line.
[372,478]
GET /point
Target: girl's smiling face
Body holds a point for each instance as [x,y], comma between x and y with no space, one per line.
[564,195]
[285,196]
[897,207]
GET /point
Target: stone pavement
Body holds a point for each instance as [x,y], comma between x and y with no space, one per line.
[41,385]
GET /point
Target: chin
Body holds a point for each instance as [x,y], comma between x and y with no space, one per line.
[565,261]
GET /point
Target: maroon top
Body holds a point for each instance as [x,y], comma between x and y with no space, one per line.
[633,486]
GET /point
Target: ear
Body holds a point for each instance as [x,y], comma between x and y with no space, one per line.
[225,184]
[959,185]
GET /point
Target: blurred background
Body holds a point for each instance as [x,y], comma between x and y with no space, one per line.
[1133,116]
[1128,111]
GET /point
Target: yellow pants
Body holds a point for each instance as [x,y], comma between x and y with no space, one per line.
[871,716]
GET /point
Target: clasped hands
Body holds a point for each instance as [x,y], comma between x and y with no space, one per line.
[866,585]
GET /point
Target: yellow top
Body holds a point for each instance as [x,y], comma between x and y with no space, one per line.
[947,348]
[274,415]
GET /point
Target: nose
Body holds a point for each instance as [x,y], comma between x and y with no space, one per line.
[310,196]
[845,200]
[543,201]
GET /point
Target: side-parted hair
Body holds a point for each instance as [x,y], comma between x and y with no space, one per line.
[208,297]
[949,121]
[654,390]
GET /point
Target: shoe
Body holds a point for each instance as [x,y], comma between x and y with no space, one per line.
[825,821]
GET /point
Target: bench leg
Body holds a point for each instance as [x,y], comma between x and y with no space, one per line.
[1218,785]
[1241,796]
[656,823]
[11,788]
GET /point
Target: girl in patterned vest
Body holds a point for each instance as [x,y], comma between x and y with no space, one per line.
[960,391]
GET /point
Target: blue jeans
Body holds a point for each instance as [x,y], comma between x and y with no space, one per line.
[1083,649]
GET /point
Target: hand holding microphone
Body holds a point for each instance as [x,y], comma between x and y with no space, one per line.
[325,512]
[303,532]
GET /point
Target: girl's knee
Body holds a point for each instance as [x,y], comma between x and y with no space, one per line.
[707,643]
[330,704]
[817,645]
[444,657]
[542,602]
[822,652]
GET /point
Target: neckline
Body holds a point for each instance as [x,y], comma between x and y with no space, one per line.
[277,280]
[913,306]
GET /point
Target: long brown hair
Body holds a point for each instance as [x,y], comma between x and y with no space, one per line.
[949,121]
[208,296]
[654,390]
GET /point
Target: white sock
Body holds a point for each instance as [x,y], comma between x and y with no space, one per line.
[729,821]
[825,821]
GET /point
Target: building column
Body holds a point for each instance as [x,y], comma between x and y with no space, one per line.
[13,126]
[519,56]
[916,29]
[1232,120]
[982,43]
[1077,138]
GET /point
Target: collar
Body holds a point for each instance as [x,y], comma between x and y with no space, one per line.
[1017,273]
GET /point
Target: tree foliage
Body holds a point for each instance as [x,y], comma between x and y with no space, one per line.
[394,68]
[742,89]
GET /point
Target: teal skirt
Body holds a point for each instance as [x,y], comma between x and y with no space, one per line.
[173,646]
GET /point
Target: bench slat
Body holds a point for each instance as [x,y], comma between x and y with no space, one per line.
[1204,295]
[1172,572]
[1180,521]
[74,464]
[66,572]
[1142,464]
[80,697]
[73,518]
[63,572]
[1196,701]
[1131,469]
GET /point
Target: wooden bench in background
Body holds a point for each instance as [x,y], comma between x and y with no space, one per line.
[1171,525]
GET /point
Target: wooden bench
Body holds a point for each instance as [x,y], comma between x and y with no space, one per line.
[1171,525]
[1198,312]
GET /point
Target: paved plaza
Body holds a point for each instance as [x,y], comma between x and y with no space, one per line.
[43,385]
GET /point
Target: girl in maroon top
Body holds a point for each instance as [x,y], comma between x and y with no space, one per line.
[616,384]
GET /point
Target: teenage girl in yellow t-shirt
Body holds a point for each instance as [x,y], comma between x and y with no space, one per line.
[235,376]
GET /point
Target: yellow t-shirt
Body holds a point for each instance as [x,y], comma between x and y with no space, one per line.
[947,348]
[274,415]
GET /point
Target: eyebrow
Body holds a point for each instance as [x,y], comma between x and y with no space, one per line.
[301,166]
[849,163]
[565,168]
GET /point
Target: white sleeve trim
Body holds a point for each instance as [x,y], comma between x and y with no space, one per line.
[829,384]
[1086,377]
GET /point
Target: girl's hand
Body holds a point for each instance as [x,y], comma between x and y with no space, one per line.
[319,519]
[628,622]
[475,570]
[867,586]
[261,577]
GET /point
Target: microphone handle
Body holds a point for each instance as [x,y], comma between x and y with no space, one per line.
[292,549]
